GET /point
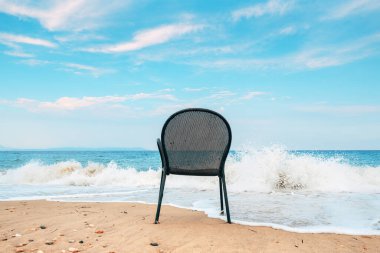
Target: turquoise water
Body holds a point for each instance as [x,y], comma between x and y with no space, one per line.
[302,191]
[143,160]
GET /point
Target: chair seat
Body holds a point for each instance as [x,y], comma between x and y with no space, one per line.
[191,172]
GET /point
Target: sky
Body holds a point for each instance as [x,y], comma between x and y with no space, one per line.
[92,73]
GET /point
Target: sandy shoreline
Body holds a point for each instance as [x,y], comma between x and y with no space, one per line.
[128,227]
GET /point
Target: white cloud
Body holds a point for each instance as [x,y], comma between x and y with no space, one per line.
[86,69]
[236,63]
[194,89]
[9,39]
[72,103]
[272,7]
[287,30]
[221,95]
[34,62]
[63,15]
[18,53]
[159,95]
[353,7]
[252,94]
[337,55]
[315,58]
[148,38]
[75,103]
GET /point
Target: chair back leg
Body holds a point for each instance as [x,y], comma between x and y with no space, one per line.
[226,199]
[160,195]
[221,196]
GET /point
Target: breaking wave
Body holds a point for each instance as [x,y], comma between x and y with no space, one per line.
[264,170]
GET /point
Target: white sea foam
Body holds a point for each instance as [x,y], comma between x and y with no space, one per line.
[274,169]
[264,170]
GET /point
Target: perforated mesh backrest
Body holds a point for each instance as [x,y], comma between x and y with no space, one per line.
[196,142]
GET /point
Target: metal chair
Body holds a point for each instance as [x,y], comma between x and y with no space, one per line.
[195,142]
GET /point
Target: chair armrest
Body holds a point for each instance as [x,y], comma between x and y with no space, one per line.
[162,155]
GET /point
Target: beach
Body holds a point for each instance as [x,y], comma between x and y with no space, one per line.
[264,113]
[51,226]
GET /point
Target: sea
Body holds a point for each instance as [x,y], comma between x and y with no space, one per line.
[317,191]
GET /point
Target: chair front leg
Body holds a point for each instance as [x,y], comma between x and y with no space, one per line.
[226,199]
[160,195]
[221,196]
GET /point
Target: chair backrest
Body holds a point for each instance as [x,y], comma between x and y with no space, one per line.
[196,142]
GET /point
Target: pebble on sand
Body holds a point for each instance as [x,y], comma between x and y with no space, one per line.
[42,227]
[153,244]
[49,242]
[74,250]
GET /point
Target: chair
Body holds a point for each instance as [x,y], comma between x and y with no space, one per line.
[195,142]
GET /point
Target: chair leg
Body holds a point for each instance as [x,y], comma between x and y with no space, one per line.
[226,199]
[160,195]
[221,196]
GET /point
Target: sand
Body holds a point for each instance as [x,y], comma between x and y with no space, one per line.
[29,226]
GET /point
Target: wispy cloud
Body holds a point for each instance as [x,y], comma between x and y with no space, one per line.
[63,15]
[34,62]
[287,30]
[81,69]
[18,53]
[353,7]
[15,41]
[187,89]
[184,55]
[76,68]
[9,39]
[339,54]
[272,7]
[75,103]
[148,38]
[221,94]
[315,58]
[252,94]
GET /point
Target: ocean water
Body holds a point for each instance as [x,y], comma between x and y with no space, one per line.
[300,191]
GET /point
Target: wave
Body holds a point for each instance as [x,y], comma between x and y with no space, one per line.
[252,170]
[275,169]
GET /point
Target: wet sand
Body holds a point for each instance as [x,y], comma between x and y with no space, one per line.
[44,226]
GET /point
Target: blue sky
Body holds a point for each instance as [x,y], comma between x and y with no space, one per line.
[303,74]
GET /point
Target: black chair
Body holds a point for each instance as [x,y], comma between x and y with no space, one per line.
[195,142]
